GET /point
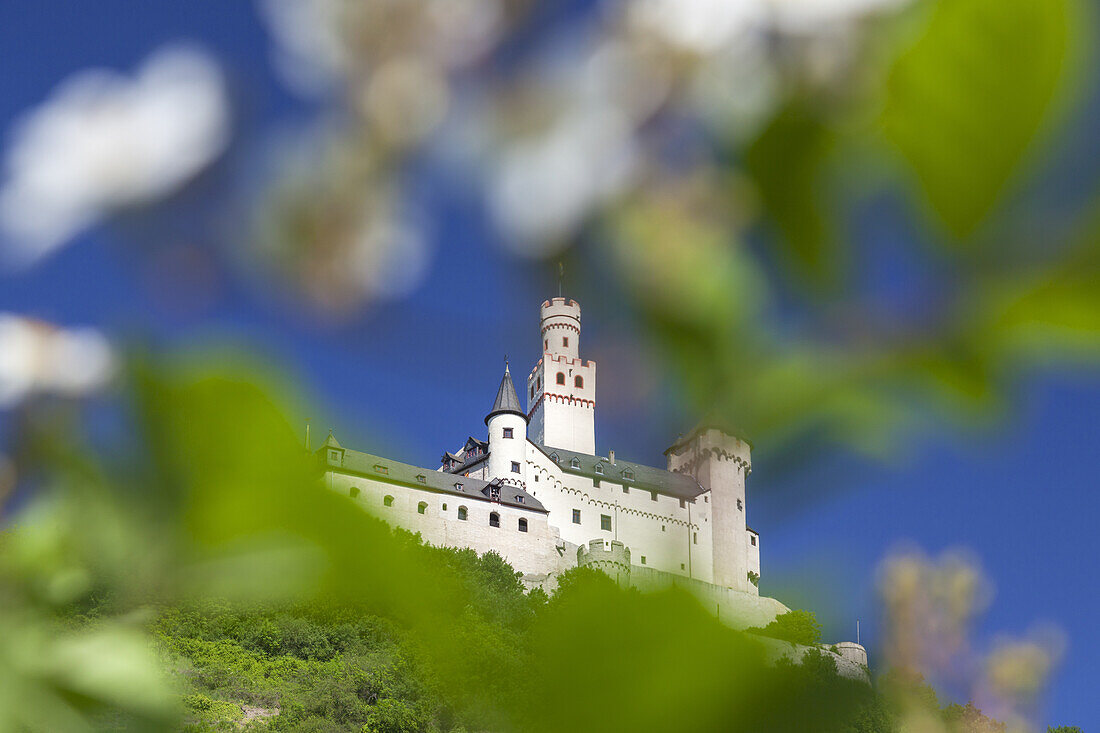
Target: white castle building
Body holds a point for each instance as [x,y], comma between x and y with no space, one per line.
[537,492]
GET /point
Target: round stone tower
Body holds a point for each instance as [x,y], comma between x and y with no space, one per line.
[561,389]
[507,423]
[610,556]
[560,324]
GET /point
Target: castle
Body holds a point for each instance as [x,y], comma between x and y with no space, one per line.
[537,492]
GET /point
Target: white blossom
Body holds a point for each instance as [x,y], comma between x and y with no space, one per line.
[37,357]
[102,141]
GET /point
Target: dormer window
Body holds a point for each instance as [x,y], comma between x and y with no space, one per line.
[421,478]
[554,457]
[379,468]
[519,499]
[628,474]
[334,455]
[575,463]
[458,486]
[599,468]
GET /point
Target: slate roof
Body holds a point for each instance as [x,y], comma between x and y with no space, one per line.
[460,469]
[646,478]
[506,400]
[403,474]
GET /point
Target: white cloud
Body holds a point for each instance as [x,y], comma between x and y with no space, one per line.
[38,357]
[104,140]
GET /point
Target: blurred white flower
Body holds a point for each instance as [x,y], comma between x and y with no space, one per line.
[309,53]
[544,186]
[38,357]
[102,141]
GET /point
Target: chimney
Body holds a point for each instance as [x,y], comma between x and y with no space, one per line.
[611,456]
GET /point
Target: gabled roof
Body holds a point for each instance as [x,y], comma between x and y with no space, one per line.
[506,401]
[331,442]
[646,478]
[403,474]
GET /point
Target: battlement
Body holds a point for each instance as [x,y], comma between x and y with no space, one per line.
[610,556]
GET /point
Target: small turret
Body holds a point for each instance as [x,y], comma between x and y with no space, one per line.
[507,425]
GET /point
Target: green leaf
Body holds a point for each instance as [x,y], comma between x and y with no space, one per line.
[964,103]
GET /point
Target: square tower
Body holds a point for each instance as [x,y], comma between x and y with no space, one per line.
[561,389]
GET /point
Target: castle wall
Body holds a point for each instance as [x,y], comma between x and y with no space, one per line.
[735,608]
[663,533]
[534,551]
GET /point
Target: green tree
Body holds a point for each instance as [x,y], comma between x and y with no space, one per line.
[799,627]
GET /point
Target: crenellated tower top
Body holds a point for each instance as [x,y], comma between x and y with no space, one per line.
[560,324]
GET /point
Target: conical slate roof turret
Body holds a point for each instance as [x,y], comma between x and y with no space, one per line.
[506,401]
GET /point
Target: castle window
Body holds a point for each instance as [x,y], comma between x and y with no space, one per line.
[494,519]
[643,559]
[507,432]
[444,507]
[387,500]
[599,468]
[561,378]
[628,474]
[575,463]
[662,528]
[546,343]
[536,478]
[682,566]
[653,496]
[353,492]
[420,478]
[515,467]
[683,504]
[422,507]
[605,522]
[740,506]
[462,513]
[522,525]
[752,539]
[578,381]
[576,516]
[378,467]
[565,341]
[706,499]
[694,538]
[532,391]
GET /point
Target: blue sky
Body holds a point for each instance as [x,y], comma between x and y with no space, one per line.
[414,377]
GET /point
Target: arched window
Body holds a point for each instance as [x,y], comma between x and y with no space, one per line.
[388,500]
[578,381]
[494,519]
[353,492]
[561,377]
[422,507]
[522,525]
[532,390]
[462,513]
